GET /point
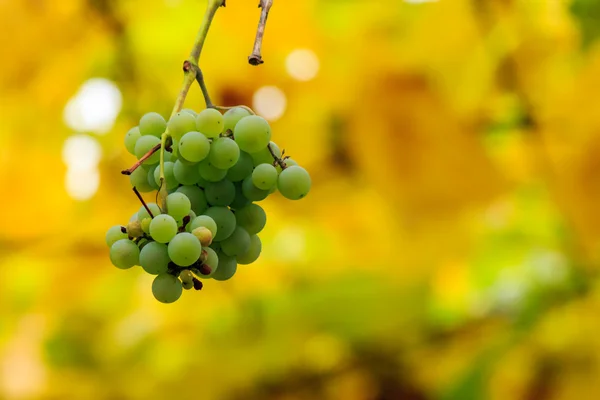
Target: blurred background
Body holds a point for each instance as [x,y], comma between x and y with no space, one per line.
[448,250]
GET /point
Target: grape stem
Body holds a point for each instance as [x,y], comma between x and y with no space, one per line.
[192,73]
[255,58]
[139,196]
[139,162]
[276,159]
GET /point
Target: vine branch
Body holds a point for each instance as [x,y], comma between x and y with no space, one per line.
[255,58]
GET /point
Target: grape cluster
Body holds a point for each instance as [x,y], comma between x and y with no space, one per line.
[216,167]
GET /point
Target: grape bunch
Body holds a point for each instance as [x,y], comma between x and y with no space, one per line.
[216,168]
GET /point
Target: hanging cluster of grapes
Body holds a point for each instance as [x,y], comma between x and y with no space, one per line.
[212,170]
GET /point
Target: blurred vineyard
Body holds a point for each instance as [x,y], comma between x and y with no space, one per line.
[449,247]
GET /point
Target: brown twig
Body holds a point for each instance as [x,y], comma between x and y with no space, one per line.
[276,159]
[139,162]
[139,196]
[255,58]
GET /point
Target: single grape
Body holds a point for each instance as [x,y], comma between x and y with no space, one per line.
[252,253]
[209,122]
[252,133]
[239,200]
[194,146]
[227,267]
[180,124]
[190,111]
[252,218]
[220,193]
[143,213]
[170,180]
[184,249]
[212,261]
[237,243]
[178,205]
[144,145]
[150,177]
[146,225]
[196,196]
[152,124]
[204,221]
[124,254]
[290,162]
[242,168]
[134,229]
[264,176]
[139,180]
[204,235]
[294,182]
[166,288]
[264,156]
[202,182]
[154,258]
[187,279]
[131,138]
[225,220]
[209,172]
[185,174]
[251,192]
[113,234]
[224,153]
[163,228]
[216,246]
[232,117]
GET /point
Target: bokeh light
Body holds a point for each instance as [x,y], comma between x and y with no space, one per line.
[270,102]
[302,64]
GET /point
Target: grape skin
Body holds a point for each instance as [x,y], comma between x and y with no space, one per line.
[166,288]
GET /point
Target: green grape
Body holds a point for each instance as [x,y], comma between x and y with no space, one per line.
[185,174]
[204,221]
[113,234]
[290,162]
[184,249]
[202,182]
[220,193]
[227,267]
[192,216]
[178,205]
[189,111]
[216,246]
[150,177]
[173,156]
[252,133]
[241,169]
[143,213]
[251,192]
[209,122]
[212,261]
[294,182]
[163,228]
[224,153]
[252,218]
[196,196]
[209,172]
[253,251]
[131,138]
[187,279]
[170,180]
[146,225]
[237,243]
[264,156]
[232,117]
[264,176]
[143,146]
[154,258]
[139,180]
[152,124]
[142,243]
[124,254]
[194,146]
[239,200]
[225,220]
[180,124]
[166,288]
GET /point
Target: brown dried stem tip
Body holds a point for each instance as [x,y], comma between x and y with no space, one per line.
[255,58]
